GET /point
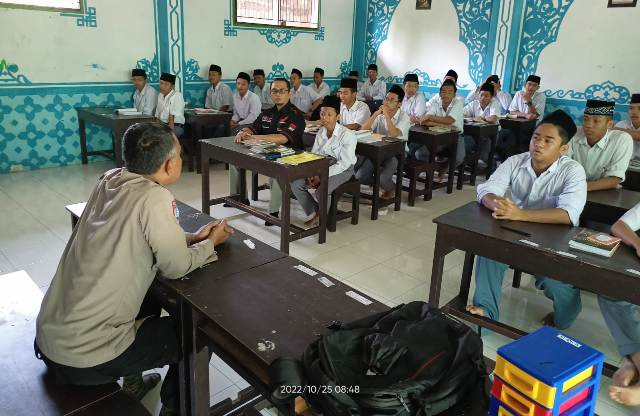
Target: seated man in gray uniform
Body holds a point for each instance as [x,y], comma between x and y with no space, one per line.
[97,322]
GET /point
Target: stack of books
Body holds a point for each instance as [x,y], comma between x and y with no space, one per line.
[595,242]
[300,158]
[270,151]
[206,111]
[128,112]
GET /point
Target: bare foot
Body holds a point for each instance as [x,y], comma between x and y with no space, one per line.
[387,195]
[475,310]
[314,221]
[548,320]
[625,374]
[628,396]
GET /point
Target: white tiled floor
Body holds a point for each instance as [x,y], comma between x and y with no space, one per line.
[389,259]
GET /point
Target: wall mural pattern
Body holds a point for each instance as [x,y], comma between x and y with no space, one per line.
[86,19]
[474,18]
[151,67]
[607,90]
[9,74]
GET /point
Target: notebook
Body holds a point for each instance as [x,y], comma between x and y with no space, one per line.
[595,242]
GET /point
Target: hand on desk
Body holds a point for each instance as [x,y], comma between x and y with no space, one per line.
[201,234]
[243,135]
[506,209]
[220,233]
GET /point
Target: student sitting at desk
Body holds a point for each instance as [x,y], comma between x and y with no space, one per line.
[450,75]
[504,98]
[353,113]
[170,105]
[414,104]
[485,109]
[262,89]
[372,89]
[318,85]
[529,103]
[96,322]
[332,140]
[246,105]
[145,96]
[632,125]
[219,96]
[603,153]
[623,320]
[546,187]
[389,120]
[281,124]
[303,96]
[445,110]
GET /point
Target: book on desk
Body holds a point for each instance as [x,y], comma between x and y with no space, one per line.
[595,242]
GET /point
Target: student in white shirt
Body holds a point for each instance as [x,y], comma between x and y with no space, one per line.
[302,96]
[529,103]
[333,140]
[318,85]
[623,320]
[414,104]
[603,153]
[545,187]
[246,105]
[373,89]
[504,98]
[390,121]
[484,109]
[145,96]
[453,76]
[262,89]
[356,75]
[219,96]
[170,105]
[446,110]
[632,125]
[353,113]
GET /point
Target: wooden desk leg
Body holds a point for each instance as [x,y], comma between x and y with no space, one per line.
[491,165]
[227,128]
[322,204]
[199,370]
[375,197]
[117,146]
[204,164]
[83,141]
[285,186]
[197,135]
[399,176]
[439,254]
[243,184]
[452,166]
[465,282]
[183,321]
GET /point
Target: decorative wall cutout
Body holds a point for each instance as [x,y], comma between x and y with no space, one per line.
[192,71]
[86,19]
[474,18]
[607,90]
[425,79]
[274,36]
[277,71]
[150,67]
[9,74]
[345,68]
[379,15]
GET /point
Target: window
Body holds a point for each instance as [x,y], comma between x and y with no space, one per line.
[283,13]
[62,5]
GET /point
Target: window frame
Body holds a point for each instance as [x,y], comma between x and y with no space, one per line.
[80,10]
[276,27]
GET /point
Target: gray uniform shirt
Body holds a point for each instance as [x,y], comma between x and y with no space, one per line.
[128,232]
[145,100]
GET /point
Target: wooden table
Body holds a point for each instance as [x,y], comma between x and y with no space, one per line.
[472,229]
[256,316]
[608,206]
[436,141]
[226,150]
[522,128]
[481,132]
[198,122]
[632,179]
[106,117]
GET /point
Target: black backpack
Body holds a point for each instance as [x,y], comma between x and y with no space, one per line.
[410,360]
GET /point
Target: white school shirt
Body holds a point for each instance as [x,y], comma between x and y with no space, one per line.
[323,90]
[219,96]
[414,106]
[341,146]
[610,156]
[504,98]
[303,97]
[454,110]
[436,98]
[562,185]
[518,103]
[359,113]
[400,120]
[246,109]
[377,90]
[171,105]
[264,94]
[145,101]
[474,109]
[627,124]
[632,218]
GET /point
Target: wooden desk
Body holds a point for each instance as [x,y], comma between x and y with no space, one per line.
[106,117]
[472,229]
[256,316]
[226,150]
[197,124]
[608,206]
[632,179]
[436,141]
[522,129]
[481,132]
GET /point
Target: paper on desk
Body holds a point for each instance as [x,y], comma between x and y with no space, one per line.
[358,297]
[305,269]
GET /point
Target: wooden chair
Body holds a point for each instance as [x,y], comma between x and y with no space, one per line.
[471,161]
[352,186]
[412,171]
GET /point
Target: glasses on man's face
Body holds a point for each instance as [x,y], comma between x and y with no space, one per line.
[279,91]
[390,100]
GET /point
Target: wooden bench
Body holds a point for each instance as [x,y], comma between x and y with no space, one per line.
[28,389]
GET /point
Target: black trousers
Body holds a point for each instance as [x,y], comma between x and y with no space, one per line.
[155,345]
